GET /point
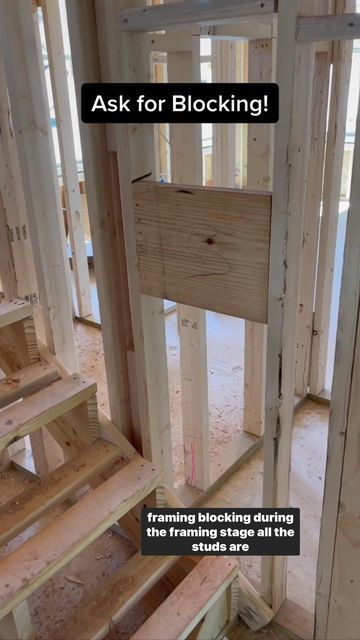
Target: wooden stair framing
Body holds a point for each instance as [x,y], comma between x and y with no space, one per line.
[179,614]
[33,396]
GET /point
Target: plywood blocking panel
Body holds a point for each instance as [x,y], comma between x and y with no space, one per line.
[341,59]
[214,255]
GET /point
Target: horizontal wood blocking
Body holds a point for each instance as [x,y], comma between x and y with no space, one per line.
[14,310]
[95,619]
[26,381]
[41,556]
[328,28]
[179,614]
[157,17]
[44,406]
[30,505]
[204,247]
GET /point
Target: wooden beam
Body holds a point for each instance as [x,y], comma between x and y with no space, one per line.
[12,311]
[312,221]
[58,73]
[341,60]
[28,99]
[17,624]
[329,28]
[188,603]
[259,169]
[157,17]
[186,168]
[44,406]
[8,277]
[223,64]
[252,608]
[13,201]
[124,590]
[216,259]
[291,152]
[26,381]
[105,214]
[35,561]
[136,157]
[338,572]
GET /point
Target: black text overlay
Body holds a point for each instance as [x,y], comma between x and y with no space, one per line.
[197,102]
[256,532]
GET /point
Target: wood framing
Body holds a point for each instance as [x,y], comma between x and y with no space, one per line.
[217,260]
[312,222]
[74,213]
[341,61]
[31,564]
[44,406]
[338,573]
[186,168]
[100,168]
[157,17]
[13,204]
[26,86]
[31,504]
[291,151]
[329,28]
[259,170]
[136,157]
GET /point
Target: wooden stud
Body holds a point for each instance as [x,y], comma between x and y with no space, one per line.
[13,200]
[186,168]
[136,157]
[37,559]
[216,256]
[97,616]
[58,73]
[338,572]
[312,221]
[223,57]
[26,85]
[259,165]
[341,60]
[291,152]
[105,213]
[7,264]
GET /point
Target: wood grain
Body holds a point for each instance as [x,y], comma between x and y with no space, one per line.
[31,504]
[43,407]
[188,603]
[204,247]
[35,561]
